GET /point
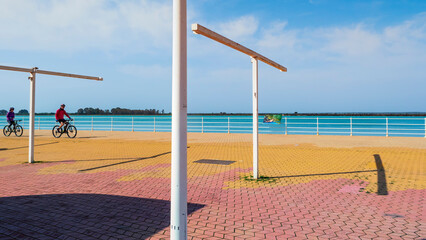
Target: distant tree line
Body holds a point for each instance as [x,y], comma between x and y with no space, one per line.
[418,114]
[118,111]
[125,111]
[20,112]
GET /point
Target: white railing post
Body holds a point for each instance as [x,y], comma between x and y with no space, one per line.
[154,124]
[202,124]
[112,119]
[229,129]
[133,128]
[285,126]
[387,127]
[351,125]
[91,128]
[317,126]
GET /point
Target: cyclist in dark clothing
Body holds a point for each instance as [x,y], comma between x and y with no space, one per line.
[11,116]
[60,115]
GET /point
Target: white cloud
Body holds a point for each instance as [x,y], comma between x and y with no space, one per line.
[239,28]
[150,72]
[336,65]
[69,25]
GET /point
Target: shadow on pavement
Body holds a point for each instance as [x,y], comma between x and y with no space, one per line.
[36,145]
[114,164]
[91,137]
[382,187]
[321,174]
[84,216]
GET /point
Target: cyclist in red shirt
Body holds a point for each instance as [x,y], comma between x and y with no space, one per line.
[60,115]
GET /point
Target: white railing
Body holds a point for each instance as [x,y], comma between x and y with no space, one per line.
[352,126]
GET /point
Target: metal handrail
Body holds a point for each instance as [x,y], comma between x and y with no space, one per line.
[317,125]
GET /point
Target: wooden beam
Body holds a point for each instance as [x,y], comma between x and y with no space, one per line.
[69,75]
[198,29]
[16,69]
[38,71]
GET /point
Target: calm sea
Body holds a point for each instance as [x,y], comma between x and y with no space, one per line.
[323,125]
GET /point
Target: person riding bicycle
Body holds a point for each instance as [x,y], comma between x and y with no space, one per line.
[60,115]
[11,117]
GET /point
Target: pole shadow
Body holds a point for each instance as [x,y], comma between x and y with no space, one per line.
[382,187]
[37,145]
[115,164]
[322,174]
[84,216]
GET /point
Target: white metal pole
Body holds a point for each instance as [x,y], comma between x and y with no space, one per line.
[229,127]
[154,124]
[178,214]
[387,128]
[32,79]
[202,125]
[351,124]
[255,119]
[317,126]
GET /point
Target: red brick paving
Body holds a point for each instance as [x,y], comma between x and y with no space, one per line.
[86,206]
[58,200]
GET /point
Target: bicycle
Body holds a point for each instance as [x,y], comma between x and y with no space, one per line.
[68,128]
[16,128]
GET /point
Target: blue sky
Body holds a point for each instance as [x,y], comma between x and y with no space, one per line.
[342,56]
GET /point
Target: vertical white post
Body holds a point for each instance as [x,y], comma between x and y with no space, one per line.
[285,119]
[133,129]
[154,124]
[229,128]
[387,127]
[202,124]
[255,120]
[350,121]
[317,126]
[178,214]
[32,79]
[91,129]
[112,119]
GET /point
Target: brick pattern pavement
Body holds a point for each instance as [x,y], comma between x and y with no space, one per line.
[120,189]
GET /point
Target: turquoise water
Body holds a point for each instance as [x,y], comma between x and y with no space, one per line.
[324,125]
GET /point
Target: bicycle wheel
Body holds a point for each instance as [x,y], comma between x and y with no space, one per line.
[19,130]
[56,131]
[7,131]
[72,131]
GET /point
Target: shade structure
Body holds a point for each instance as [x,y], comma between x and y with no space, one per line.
[255,57]
[32,78]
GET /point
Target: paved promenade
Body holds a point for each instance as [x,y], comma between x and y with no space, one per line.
[116,185]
